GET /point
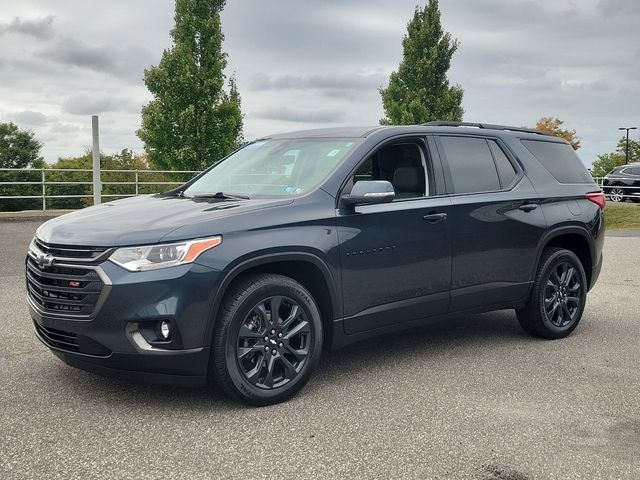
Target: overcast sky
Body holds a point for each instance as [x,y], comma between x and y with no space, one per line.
[304,64]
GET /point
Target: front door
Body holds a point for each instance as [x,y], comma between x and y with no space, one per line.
[396,257]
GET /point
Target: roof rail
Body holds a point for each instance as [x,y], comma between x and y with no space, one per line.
[443,123]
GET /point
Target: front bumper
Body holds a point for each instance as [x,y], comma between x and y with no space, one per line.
[118,338]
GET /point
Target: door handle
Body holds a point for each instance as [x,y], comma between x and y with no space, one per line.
[527,207]
[435,217]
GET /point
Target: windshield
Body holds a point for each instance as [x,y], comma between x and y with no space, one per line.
[285,167]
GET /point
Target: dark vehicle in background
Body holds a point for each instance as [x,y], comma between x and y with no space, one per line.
[623,183]
[318,239]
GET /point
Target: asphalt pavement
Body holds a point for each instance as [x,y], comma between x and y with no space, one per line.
[470,398]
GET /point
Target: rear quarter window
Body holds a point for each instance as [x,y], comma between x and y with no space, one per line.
[560,160]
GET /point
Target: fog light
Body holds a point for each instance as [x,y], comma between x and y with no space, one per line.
[165,332]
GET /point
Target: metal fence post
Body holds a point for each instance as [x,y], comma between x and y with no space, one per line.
[44,191]
[136,182]
[97,186]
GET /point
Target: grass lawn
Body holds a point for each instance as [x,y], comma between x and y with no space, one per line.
[622,215]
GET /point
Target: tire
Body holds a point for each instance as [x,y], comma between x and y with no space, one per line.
[616,194]
[263,372]
[555,307]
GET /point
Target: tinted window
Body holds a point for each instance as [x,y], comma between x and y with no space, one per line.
[506,172]
[471,164]
[560,159]
[633,170]
[401,164]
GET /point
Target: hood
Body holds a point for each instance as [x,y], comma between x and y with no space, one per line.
[142,220]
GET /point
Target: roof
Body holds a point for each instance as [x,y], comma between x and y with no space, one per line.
[338,132]
[431,127]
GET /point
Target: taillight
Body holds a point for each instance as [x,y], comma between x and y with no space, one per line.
[597,198]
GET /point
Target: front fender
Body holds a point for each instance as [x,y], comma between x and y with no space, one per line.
[257,259]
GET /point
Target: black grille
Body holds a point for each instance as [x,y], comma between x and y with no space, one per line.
[63,289]
[58,338]
[75,252]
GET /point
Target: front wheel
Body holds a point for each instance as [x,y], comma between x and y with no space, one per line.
[267,340]
[558,297]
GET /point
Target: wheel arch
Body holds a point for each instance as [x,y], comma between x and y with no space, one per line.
[306,268]
[575,239]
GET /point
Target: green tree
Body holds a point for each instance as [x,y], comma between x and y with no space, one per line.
[19,149]
[605,163]
[634,149]
[419,90]
[193,121]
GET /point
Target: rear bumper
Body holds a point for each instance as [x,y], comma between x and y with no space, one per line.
[595,271]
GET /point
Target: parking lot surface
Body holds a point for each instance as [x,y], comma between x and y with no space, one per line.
[470,398]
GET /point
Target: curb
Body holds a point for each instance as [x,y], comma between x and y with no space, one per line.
[621,232]
[31,215]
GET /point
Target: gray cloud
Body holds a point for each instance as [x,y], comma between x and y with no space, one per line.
[29,118]
[620,8]
[301,116]
[324,61]
[42,29]
[361,81]
[58,127]
[94,103]
[127,62]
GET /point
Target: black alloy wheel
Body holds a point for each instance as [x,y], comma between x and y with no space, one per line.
[267,339]
[563,294]
[273,342]
[558,296]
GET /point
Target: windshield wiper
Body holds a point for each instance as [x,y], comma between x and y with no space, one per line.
[222,196]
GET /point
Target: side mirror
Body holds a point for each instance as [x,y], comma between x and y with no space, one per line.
[370,192]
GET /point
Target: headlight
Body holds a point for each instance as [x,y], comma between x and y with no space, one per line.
[138,259]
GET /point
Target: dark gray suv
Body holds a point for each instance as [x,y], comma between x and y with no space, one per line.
[317,239]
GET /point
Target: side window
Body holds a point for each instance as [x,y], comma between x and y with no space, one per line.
[471,164]
[506,172]
[403,164]
[365,171]
[633,170]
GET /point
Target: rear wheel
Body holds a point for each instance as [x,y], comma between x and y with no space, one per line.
[268,339]
[558,297]
[616,194]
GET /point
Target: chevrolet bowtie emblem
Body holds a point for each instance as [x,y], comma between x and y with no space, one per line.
[44,260]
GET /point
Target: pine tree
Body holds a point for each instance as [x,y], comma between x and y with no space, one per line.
[193,121]
[419,90]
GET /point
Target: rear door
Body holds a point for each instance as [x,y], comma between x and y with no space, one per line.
[396,257]
[631,181]
[496,222]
